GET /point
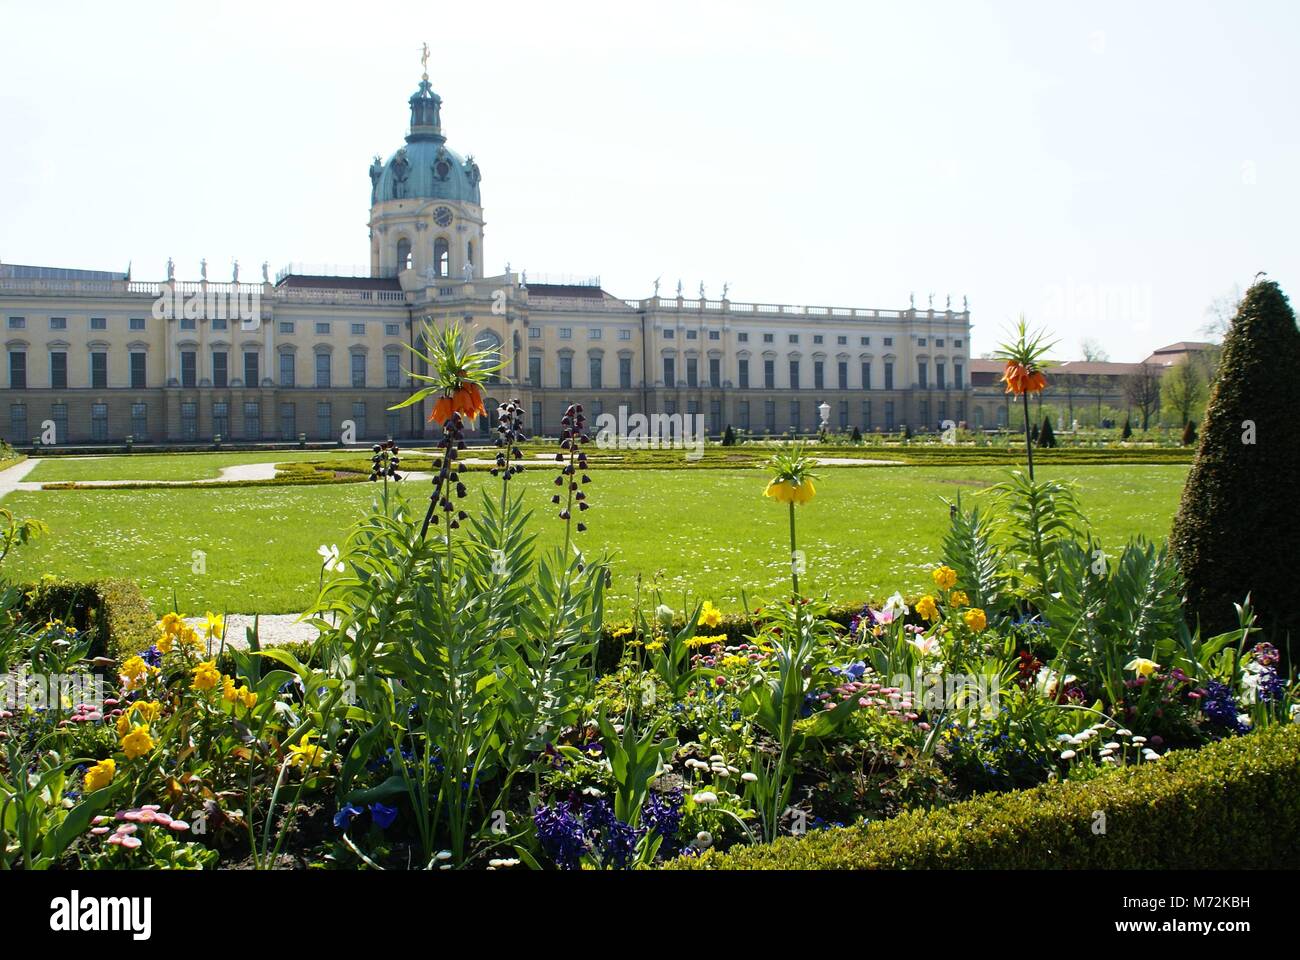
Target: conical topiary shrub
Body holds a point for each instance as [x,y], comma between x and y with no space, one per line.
[1238,525]
[1128,429]
[1046,438]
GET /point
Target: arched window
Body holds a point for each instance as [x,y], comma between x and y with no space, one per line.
[441,257]
[469,253]
[403,255]
[489,341]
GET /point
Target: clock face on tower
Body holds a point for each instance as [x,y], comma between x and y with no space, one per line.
[442,216]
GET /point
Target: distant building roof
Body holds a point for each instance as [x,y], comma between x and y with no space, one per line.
[1168,356]
[339,283]
[567,290]
[18,271]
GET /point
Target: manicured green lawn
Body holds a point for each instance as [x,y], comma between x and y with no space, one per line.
[869,532]
[167,466]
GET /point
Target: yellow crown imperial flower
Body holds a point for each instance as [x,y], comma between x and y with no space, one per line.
[206,675]
[783,491]
[100,775]
[137,743]
[945,577]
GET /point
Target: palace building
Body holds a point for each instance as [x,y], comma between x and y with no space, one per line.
[95,357]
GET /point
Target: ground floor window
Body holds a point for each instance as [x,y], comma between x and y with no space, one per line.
[393,420]
[99,422]
[288,421]
[140,420]
[189,420]
[59,414]
[769,415]
[324,420]
[794,415]
[866,414]
[536,425]
[844,414]
[359,418]
[220,419]
[890,423]
[18,422]
[742,414]
[252,420]
[715,417]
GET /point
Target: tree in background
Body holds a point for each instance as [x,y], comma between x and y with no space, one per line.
[1183,389]
[1189,433]
[1142,390]
[1238,518]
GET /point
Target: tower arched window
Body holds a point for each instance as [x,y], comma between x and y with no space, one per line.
[441,257]
[469,252]
[403,254]
[490,343]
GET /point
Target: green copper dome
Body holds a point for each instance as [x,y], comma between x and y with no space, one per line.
[425,168]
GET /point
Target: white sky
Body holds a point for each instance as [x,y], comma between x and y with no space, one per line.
[1107,168]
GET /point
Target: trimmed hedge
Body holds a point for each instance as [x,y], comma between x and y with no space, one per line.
[114,611]
[1231,805]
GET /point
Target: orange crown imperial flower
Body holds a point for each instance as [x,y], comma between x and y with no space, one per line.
[467,400]
[1021,379]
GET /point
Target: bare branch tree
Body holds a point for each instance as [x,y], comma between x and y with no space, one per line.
[1142,390]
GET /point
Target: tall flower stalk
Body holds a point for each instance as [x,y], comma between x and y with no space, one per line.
[1025,359]
[573,475]
[791,484]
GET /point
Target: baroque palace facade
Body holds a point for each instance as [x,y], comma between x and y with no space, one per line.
[94,357]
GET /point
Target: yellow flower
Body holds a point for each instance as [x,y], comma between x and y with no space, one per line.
[654,645]
[164,642]
[710,616]
[1143,666]
[134,673]
[189,637]
[206,675]
[958,598]
[100,775]
[927,608]
[241,694]
[171,624]
[137,743]
[698,641]
[975,619]
[621,632]
[148,712]
[783,491]
[944,577]
[214,625]
[304,753]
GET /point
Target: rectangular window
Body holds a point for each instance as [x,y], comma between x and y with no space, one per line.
[250,370]
[220,418]
[818,338]
[920,341]
[794,415]
[324,420]
[793,337]
[939,378]
[769,374]
[922,378]
[189,368]
[866,374]
[866,415]
[99,422]
[58,323]
[669,333]
[252,420]
[286,326]
[566,333]
[956,343]
[692,372]
[743,374]
[322,329]
[536,424]
[594,333]
[287,368]
[18,372]
[866,341]
[18,323]
[534,333]
[288,421]
[889,341]
[359,418]
[890,423]
[925,413]
[58,370]
[889,377]
[715,417]
[842,341]
[358,329]
[98,323]
[956,376]
[391,330]
[137,323]
[742,414]
[842,369]
[323,371]
[220,377]
[594,372]
[625,373]
[392,370]
[794,374]
[939,342]
[769,416]
[535,371]
[715,372]
[59,414]
[358,370]
[670,372]
[18,422]
[769,337]
[844,414]
[140,421]
[99,370]
[742,338]
[625,334]
[219,323]
[189,323]
[692,334]
[189,420]
[393,423]
[566,372]
[819,375]
[137,369]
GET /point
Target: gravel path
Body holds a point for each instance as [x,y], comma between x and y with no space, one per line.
[272,629]
[11,478]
